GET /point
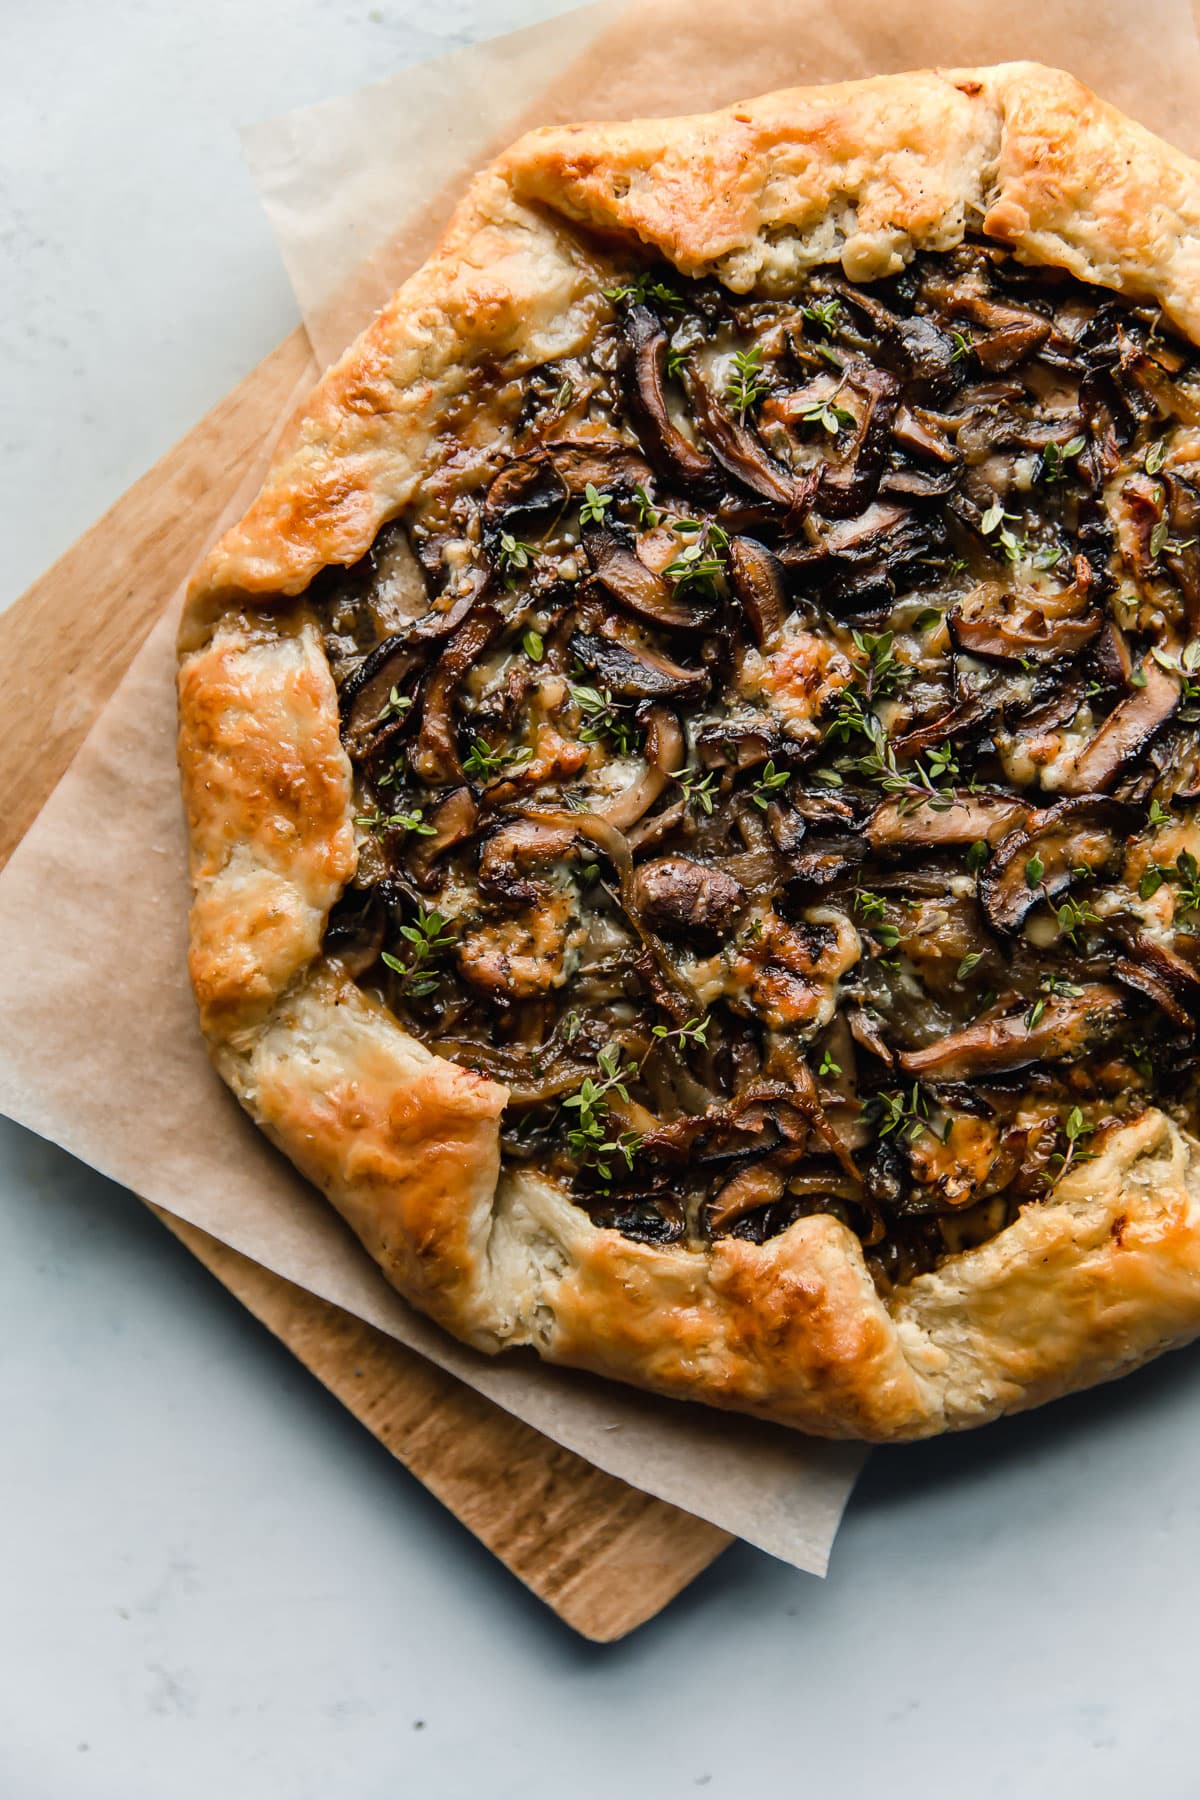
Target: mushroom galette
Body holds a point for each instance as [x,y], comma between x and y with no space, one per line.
[692,757]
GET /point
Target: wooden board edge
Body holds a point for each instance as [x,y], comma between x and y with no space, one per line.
[128,565]
[604,1556]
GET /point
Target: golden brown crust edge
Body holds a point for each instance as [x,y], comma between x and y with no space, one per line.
[405,1144]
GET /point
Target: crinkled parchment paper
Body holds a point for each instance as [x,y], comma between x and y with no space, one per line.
[98,1043]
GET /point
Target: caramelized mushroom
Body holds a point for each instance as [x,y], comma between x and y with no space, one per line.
[677,895]
[620,571]
[1039,862]
[1065,1028]
[366,693]
[1181,553]
[1128,728]
[645,366]
[453,821]
[979,625]
[850,485]
[968,818]
[757,580]
[435,754]
[1162,976]
[524,844]
[884,533]
[639,674]
[914,347]
[743,456]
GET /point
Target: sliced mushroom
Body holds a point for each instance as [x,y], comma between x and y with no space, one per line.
[1065,1028]
[435,754]
[514,848]
[355,937]
[453,822]
[897,824]
[623,575]
[742,743]
[609,464]
[967,715]
[917,484]
[645,366]
[522,491]
[1013,333]
[864,1029]
[677,895]
[1038,862]
[979,625]
[639,674]
[757,580]
[1059,709]
[1181,553]
[742,455]
[1175,975]
[850,484]
[366,693]
[920,435]
[820,860]
[884,533]
[914,347]
[757,1185]
[1127,730]
[1113,660]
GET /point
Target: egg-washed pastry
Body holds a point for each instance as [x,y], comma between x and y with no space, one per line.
[692,766]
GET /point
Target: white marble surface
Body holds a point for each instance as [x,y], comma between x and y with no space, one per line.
[212,1579]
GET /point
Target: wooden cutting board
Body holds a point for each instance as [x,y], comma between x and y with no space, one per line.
[605,1556]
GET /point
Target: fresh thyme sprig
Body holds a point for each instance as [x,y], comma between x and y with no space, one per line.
[588,1139]
[640,288]
[872,910]
[485,762]
[824,314]
[412,822]
[1075,916]
[698,790]
[603,719]
[768,783]
[595,505]
[995,523]
[397,705]
[1185,664]
[1076,1130]
[1186,872]
[875,673]
[828,415]
[1055,457]
[647,512]
[903,1114]
[923,783]
[744,388]
[428,937]
[513,554]
[701,563]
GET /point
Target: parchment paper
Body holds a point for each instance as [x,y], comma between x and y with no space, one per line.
[98,1043]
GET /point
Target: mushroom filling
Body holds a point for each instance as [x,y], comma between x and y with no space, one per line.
[775,741]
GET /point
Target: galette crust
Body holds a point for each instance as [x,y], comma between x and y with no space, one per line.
[406,1145]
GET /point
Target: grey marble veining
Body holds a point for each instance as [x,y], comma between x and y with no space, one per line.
[212,1580]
